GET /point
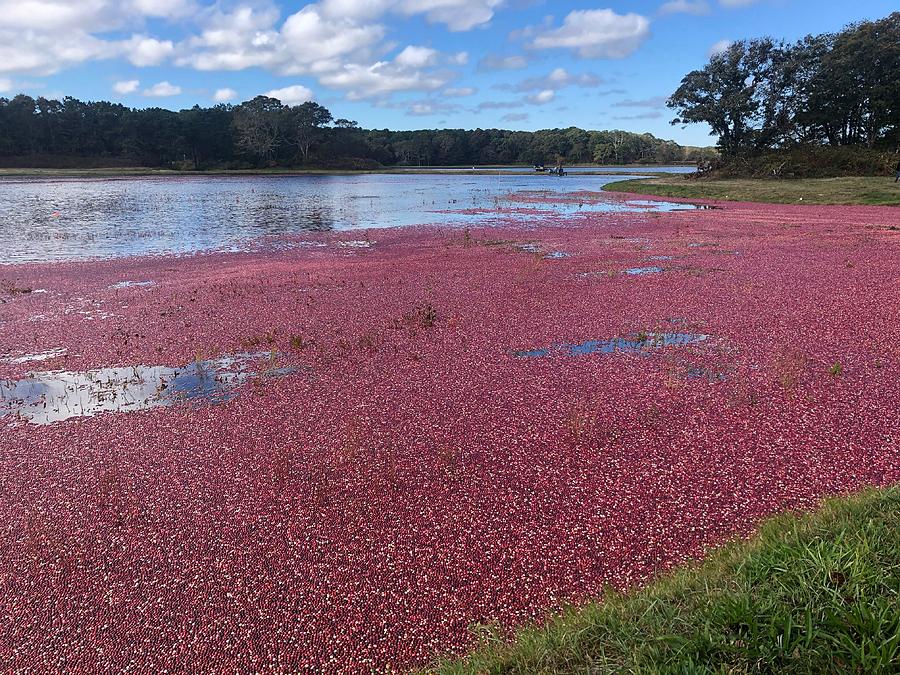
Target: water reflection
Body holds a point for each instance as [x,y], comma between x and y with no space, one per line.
[636,344]
[47,397]
[57,219]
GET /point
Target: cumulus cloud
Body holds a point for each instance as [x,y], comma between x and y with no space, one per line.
[493,62]
[295,94]
[499,105]
[720,47]
[42,37]
[695,7]
[541,97]
[224,95]
[381,79]
[653,115]
[456,15]
[416,57]
[460,92]
[147,51]
[596,33]
[558,79]
[46,54]
[126,86]
[430,107]
[162,90]
[652,102]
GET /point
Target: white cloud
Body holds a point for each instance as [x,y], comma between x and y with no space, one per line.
[44,54]
[163,89]
[292,95]
[558,78]
[380,79]
[416,57]
[460,92]
[542,97]
[695,7]
[164,8]
[126,86]
[6,85]
[456,15]
[652,102]
[147,51]
[224,95]
[596,33]
[720,47]
[493,62]
[459,58]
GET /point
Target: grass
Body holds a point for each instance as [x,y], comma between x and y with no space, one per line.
[856,190]
[815,593]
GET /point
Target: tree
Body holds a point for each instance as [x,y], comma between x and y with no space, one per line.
[258,124]
[305,123]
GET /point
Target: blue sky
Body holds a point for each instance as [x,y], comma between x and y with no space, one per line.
[400,64]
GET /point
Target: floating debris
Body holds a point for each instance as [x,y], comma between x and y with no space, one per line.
[357,243]
[47,397]
[556,255]
[637,344]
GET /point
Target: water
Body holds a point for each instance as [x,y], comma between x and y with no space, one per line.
[640,271]
[47,397]
[680,169]
[636,344]
[64,219]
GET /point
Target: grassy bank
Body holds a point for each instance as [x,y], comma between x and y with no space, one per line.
[818,593]
[858,190]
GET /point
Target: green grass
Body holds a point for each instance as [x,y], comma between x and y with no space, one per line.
[880,191]
[815,593]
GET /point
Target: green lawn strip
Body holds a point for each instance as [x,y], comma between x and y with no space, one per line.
[874,191]
[814,593]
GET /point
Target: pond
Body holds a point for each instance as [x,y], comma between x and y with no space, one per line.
[48,219]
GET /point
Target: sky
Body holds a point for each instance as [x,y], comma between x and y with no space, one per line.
[399,64]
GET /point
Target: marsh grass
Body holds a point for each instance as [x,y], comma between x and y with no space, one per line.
[814,593]
[854,190]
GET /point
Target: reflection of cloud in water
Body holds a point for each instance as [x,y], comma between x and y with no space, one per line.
[46,397]
[53,219]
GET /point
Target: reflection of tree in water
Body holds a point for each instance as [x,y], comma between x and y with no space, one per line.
[277,215]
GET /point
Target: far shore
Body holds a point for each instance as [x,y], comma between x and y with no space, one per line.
[127,172]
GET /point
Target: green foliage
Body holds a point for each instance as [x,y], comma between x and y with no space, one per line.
[835,89]
[265,133]
[816,593]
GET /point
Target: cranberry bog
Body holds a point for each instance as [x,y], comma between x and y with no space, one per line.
[340,452]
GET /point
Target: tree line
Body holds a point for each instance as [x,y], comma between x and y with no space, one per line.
[835,89]
[264,132]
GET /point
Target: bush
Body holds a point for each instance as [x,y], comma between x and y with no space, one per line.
[808,162]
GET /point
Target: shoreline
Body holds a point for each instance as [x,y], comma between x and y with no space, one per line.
[139,172]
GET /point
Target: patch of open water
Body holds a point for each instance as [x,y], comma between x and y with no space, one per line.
[44,220]
[637,344]
[46,397]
